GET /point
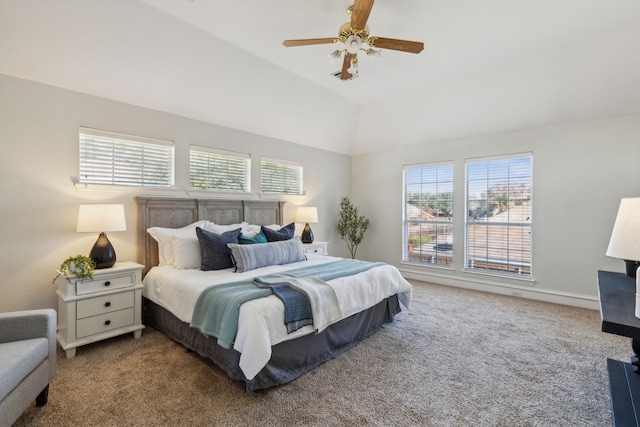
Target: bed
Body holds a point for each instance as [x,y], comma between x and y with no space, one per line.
[263,353]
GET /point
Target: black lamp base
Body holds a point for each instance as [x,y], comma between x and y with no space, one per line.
[631,267]
[307,234]
[103,253]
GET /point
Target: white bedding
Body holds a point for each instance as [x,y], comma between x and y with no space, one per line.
[261,321]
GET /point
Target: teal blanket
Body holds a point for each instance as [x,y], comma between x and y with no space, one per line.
[218,306]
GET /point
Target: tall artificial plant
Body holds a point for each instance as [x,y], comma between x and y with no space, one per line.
[351,226]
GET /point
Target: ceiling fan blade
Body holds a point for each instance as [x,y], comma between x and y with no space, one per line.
[395,44]
[360,14]
[345,75]
[308,42]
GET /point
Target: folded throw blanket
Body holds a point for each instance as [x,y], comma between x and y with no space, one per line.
[217,308]
[319,298]
[297,307]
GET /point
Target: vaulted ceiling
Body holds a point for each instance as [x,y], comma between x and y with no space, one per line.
[488,66]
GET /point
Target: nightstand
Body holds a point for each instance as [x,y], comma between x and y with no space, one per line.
[318,248]
[108,305]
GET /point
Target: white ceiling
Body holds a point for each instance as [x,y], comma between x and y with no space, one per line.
[488,66]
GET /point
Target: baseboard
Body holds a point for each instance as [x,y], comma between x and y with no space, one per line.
[515,290]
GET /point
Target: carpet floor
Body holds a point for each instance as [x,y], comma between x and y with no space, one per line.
[456,358]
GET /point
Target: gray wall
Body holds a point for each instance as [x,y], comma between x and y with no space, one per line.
[39,202]
[580,173]
[581,170]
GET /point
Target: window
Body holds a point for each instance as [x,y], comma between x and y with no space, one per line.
[498,222]
[218,170]
[117,159]
[280,177]
[428,214]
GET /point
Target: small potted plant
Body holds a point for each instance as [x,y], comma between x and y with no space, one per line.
[79,267]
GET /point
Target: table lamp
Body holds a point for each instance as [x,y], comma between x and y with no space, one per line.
[625,237]
[307,215]
[100,219]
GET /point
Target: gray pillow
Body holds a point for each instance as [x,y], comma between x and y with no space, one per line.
[250,257]
[214,250]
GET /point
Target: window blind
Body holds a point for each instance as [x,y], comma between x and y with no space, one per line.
[428,214]
[219,170]
[118,159]
[498,221]
[280,177]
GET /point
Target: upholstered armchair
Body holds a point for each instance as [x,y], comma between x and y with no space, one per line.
[27,360]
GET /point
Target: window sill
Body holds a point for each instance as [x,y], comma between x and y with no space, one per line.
[134,189]
[520,278]
[176,192]
[451,272]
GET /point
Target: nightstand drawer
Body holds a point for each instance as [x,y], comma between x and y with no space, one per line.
[315,248]
[319,251]
[105,304]
[104,322]
[106,283]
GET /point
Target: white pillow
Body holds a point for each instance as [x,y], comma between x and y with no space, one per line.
[164,237]
[219,229]
[250,230]
[186,252]
[275,227]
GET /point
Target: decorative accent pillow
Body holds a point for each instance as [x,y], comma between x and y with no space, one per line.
[214,250]
[248,239]
[164,237]
[250,257]
[285,233]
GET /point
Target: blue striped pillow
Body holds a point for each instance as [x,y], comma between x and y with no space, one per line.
[250,257]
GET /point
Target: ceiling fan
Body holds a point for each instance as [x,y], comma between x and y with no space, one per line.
[355,36]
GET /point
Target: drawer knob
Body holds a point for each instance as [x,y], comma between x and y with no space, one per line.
[107,283]
[107,304]
[107,322]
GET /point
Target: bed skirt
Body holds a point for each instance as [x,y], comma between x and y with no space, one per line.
[289,359]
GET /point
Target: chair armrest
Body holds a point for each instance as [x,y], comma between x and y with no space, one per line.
[22,325]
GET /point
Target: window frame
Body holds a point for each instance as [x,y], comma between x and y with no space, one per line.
[223,155]
[282,164]
[441,255]
[117,169]
[511,266]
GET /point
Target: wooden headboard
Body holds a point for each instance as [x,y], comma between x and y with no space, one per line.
[178,212]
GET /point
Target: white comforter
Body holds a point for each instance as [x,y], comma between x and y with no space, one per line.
[261,321]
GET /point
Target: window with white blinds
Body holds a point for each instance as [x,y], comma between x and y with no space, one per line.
[280,177]
[117,159]
[498,221]
[428,214]
[219,170]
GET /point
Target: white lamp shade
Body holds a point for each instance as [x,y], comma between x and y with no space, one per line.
[307,214]
[101,218]
[625,238]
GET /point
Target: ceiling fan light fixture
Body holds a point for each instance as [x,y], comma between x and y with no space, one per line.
[335,56]
[353,69]
[374,53]
[355,35]
[354,43]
